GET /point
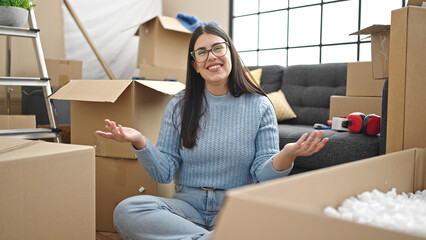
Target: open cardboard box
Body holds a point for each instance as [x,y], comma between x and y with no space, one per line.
[163,42]
[47,190]
[147,71]
[292,207]
[138,104]
[380,38]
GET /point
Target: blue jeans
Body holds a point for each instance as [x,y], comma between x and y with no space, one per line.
[190,214]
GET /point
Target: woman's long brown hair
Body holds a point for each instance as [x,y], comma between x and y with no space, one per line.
[238,83]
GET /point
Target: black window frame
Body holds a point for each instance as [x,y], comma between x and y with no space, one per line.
[358,43]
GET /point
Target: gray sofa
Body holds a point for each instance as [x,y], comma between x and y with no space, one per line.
[307,89]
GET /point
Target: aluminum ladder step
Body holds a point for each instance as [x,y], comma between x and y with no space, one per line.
[31,133]
[24,81]
[19,32]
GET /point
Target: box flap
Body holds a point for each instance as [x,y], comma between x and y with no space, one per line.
[372,29]
[92,90]
[167,87]
[415,2]
[168,23]
[13,148]
[173,24]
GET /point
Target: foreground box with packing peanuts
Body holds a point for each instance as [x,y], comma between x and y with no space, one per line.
[292,207]
[47,190]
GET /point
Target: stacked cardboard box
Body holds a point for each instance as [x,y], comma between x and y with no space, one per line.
[293,207]
[17,121]
[399,54]
[163,49]
[407,74]
[136,104]
[47,190]
[363,92]
[61,71]
[10,100]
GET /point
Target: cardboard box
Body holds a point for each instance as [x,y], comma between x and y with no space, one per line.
[14,106]
[49,17]
[345,105]
[116,180]
[360,82]
[137,104]
[379,48]
[406,96]
[61,71]
[14,93]
[47,190]
[292,207]
[163,42]
[162,73]
[17,121]
[416,3]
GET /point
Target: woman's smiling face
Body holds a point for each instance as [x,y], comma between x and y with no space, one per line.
[215,70]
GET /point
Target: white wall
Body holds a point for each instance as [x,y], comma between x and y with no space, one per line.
[206,11]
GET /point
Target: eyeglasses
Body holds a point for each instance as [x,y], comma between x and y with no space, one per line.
[218,49]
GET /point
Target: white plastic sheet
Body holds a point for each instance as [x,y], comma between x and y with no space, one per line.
[109,25]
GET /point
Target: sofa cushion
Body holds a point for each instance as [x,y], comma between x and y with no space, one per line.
[271,77]
[341,147]
[283,111]
[257,75]
[308,89]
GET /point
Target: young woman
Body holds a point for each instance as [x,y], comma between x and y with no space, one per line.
[219,133]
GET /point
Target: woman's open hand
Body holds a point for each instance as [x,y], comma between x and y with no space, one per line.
[122,134]
[306,146]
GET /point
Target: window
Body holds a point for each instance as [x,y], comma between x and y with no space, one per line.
[289,32]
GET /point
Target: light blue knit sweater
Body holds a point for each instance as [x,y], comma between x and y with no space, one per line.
[236,143]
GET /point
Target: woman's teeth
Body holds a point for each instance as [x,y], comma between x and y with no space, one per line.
[214,67]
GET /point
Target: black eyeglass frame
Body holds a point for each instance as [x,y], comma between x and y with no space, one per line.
[210,51]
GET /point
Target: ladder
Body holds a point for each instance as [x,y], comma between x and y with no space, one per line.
[43,81]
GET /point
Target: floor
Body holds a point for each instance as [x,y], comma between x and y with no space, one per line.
[107,236]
